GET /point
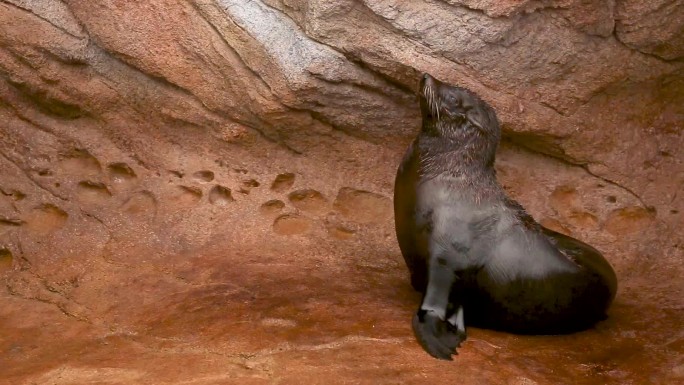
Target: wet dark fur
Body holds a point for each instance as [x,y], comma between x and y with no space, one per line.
[468,245]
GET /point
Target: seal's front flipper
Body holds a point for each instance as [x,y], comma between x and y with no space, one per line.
[437,335]
[439,338]
[457,324]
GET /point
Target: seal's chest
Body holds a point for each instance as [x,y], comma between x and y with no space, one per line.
[444,190]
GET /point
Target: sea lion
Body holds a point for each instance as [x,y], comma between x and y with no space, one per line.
[474,253]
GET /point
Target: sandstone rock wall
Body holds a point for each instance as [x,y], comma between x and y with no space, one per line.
[592,83]
[174,139]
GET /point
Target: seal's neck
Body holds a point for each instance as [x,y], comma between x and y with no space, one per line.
[470,157]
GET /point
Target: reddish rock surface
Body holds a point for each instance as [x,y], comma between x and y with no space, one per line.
[200,192]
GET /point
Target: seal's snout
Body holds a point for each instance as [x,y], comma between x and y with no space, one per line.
[426,94]
[426,82]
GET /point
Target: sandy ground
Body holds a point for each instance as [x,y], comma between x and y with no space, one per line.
[219,274]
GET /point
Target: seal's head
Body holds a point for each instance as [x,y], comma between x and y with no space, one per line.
[458,107]
[459,116]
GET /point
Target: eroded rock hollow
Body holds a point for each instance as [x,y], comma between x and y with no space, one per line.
[200,191]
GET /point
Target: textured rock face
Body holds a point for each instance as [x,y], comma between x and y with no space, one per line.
[199,191]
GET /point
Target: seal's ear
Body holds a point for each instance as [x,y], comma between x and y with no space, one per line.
[474,120]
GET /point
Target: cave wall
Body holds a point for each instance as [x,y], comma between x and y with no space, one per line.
[595,84]
[134,134]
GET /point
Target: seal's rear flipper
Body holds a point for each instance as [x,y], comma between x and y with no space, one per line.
[439,338]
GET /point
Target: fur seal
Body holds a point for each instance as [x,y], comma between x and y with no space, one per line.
[474,253]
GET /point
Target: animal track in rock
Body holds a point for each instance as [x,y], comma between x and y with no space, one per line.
[308,200]
[121,173]
[80,161]
[5,259]
[565,200]
[14,195]
[220,195]
[142,203]
[46,218]
[249,184]
[363,206]
[187,195]
[6,224]
[283,182]
[291,224]
[204,176]
[272,207]
[340,232]
[13,222]
[93,192]
[628,220]
[583,220]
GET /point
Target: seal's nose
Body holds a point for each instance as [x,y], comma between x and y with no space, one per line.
[425,79]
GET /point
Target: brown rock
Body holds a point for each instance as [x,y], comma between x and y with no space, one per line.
[6,259]
[46,218]
[309,200]
[283,182]
[555,225]
[126,127]
[272,207]
[654,27]
[220,195]
[565,200]
[363,206]
[291,224]
[628,220]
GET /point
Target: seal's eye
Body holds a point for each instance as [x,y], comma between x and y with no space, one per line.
[454,101]
[454,108]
